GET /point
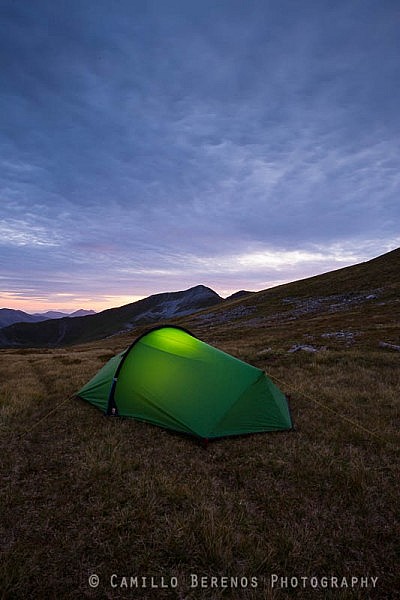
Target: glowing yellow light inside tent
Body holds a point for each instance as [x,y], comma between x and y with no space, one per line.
[174,341]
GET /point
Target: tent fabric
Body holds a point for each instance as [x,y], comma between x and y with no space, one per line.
[172,379]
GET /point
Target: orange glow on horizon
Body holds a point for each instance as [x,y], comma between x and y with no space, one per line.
[64,302]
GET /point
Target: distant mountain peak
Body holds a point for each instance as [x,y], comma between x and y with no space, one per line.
[9,316]
[200,286]
[82,312]
[51,314]
[239,294]
[201,291]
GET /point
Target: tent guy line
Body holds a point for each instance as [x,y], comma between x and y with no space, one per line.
[326,407]
[64,401]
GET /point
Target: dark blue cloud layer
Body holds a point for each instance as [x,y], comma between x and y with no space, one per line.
[146,143]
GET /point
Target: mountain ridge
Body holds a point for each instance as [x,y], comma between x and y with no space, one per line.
[162,306]
[9,316]
[372,287]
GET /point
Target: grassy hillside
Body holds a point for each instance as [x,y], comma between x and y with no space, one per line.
[82,494]
[361,304]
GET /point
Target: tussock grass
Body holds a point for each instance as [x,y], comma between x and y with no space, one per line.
[85,494]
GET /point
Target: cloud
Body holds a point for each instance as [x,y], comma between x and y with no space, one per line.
[157,146]
[22,233]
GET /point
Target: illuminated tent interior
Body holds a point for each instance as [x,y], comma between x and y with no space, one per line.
[170,378]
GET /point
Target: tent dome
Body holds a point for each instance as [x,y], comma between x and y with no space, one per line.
[172,379]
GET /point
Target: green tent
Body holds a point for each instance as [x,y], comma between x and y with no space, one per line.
[170,378]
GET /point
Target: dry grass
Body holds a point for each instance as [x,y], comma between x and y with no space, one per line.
[85,494]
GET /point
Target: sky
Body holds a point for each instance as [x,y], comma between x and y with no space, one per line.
[150,146]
